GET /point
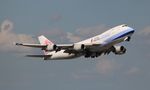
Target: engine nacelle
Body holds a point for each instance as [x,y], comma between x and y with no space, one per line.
[51,47]
[78,47]
[127,39]
[119,50]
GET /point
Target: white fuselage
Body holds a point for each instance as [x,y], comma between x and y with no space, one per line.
[106,39]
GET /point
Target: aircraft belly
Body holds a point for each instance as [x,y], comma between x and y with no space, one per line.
[62,55]
[95,49]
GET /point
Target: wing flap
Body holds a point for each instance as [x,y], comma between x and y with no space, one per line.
[64,46]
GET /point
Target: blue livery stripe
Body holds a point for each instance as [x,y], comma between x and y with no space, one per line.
[120,35]
[131,32]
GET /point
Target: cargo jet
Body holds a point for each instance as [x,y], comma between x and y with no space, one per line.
[89,48]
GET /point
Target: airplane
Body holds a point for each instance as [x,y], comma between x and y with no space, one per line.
[89,48]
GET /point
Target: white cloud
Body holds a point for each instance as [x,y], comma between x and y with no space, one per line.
[56,35]
[106,66]
[56,17]
[102,68]
[145,31]
[90,31]
[133,71]
[85,32]
[72,37]
[6,26]
[82,76]
[78,35]
[143,37]
[7,37]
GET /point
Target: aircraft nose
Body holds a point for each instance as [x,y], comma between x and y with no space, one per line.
[131,29]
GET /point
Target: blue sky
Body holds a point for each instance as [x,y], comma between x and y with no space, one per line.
[67,21]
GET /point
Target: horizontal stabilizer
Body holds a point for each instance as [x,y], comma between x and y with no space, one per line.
[40,56]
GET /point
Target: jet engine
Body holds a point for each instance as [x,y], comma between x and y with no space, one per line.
[119,50]
[51,47]
[78,47]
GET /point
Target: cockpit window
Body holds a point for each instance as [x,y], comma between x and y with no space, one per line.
[125,25]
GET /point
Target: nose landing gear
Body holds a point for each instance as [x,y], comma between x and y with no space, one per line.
[128,39]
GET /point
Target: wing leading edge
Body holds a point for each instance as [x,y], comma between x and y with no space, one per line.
[31,45]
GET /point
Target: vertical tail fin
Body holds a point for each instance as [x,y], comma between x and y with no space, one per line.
[44,41]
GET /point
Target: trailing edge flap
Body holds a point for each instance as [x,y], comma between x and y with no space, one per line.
[39,56]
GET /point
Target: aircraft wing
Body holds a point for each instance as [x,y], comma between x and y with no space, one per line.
[31,45]
[64,46]
[69,48]
[61,46]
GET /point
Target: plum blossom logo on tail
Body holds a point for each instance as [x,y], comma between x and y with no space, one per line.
[47,42]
